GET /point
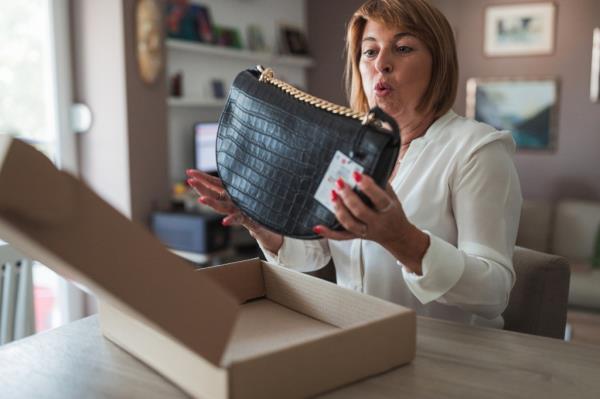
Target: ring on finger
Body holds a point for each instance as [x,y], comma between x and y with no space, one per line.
[389,206]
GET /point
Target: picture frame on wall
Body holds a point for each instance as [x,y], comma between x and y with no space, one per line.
[524,29]
[525,106]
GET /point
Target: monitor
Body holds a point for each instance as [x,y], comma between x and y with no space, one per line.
[205,139]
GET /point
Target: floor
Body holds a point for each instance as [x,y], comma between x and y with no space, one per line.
[585,326]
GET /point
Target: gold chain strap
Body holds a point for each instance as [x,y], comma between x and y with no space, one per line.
[266,75]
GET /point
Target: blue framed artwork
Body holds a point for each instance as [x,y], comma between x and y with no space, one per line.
[527,107]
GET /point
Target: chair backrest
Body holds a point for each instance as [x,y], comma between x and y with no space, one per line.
[538,301]
[576,228]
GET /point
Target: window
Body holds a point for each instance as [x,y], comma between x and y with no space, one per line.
[35,82]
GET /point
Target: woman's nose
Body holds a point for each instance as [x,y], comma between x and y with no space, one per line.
[383,63]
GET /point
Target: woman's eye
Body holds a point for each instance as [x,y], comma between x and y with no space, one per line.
[369,53]
[404,49]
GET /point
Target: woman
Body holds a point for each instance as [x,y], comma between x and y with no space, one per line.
[440,239]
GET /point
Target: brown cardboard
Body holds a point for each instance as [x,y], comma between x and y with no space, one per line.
[243,330]
[52,217]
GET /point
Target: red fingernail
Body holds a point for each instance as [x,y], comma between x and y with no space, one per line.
[340,183]
[357,176]
[189,182]
[224,222]
[189,171]
[317,229]
[202,199]
[334,195]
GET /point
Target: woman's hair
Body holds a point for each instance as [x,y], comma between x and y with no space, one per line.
[426,23]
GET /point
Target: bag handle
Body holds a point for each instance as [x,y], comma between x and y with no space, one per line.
[382,115]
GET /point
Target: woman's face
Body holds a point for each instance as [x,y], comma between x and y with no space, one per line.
[395,68]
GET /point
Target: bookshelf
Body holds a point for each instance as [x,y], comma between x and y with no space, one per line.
[201,65]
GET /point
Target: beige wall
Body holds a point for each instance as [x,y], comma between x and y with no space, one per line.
[573,170]
[124,156]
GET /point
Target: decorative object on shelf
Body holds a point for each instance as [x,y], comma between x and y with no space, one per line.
[181,24]
[292,41]
[176,85]
[204,24]
[149,40]
[218,88]
[519,29]
[595,72]
[527,107]
[228,37]
[189,21]
[256,39]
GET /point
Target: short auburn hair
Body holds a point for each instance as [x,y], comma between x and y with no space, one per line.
[426,23]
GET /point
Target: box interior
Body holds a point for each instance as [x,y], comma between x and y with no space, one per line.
[265,326]
[280,308]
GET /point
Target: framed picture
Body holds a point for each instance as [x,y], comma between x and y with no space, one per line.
[595,69]
[527,107]
[256,40]
[293,41]
[519,29]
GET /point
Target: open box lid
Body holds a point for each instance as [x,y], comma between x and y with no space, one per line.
[52,217]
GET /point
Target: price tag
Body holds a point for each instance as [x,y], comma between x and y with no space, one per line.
[341,166]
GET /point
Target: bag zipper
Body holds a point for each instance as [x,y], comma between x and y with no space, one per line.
[366,118]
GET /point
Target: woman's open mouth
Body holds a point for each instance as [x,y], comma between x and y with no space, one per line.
[382,89]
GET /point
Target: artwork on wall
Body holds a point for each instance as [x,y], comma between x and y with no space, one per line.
[519,29]
[527,107]
[595,71]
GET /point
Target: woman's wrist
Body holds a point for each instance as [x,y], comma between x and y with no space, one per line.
[410,248]
[270,241]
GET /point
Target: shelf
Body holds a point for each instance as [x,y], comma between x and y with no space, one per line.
[195,102]
[266,59]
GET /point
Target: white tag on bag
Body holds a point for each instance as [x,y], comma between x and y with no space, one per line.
[341,166]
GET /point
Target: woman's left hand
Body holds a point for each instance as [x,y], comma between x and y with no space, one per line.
[385,224]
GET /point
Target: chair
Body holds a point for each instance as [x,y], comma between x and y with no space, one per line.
[538,301]
[16,295]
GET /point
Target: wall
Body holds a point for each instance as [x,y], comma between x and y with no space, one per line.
[124,155]
[573,170]
[326,22]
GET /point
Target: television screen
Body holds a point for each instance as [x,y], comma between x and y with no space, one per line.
[205,145]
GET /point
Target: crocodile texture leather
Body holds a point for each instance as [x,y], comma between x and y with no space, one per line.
[273,151]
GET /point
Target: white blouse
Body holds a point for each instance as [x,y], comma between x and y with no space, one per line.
[457,183]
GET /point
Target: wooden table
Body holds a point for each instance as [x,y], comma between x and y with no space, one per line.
[453,361]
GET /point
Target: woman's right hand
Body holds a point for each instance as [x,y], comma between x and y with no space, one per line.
[213,194]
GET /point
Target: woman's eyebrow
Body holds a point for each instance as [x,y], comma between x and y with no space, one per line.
[397,36]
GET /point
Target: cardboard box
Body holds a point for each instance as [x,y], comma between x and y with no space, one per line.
[244,330]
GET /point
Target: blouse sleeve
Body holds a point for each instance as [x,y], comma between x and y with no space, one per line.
[476,275]
[300,255]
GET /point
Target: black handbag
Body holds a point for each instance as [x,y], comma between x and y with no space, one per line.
[275,144]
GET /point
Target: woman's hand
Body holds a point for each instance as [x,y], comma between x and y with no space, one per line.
[213,194]
[386,224]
